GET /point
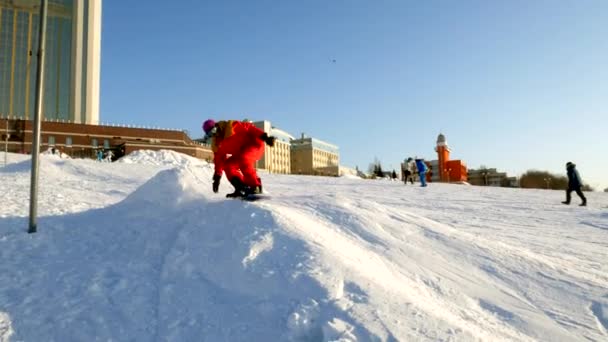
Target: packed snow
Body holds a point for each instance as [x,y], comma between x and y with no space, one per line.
[143,250]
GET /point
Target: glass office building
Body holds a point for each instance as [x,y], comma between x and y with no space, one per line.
[72,59]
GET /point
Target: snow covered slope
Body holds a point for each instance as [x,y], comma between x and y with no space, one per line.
[143,250]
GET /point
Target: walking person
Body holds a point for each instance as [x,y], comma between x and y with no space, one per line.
[409,169]
[109,156]
[574,184]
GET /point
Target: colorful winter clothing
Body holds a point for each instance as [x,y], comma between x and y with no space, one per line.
[208,125]
[245,144]
[422,169]
[421,166]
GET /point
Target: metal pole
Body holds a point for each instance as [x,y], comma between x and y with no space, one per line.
[6,144]
[38,115]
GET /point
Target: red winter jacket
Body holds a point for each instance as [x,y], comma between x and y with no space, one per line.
[234,138]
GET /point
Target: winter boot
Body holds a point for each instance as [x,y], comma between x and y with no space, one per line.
[239,188]
[584,203]
[252,190]
[565,202]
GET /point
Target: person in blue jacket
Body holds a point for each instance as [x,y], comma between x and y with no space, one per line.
[574,184]
[422,169]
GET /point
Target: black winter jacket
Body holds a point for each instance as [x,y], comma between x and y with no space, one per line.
[574,179]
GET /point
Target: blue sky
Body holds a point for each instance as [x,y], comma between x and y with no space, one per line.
[515,85]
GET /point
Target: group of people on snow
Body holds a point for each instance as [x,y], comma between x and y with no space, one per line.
[419,167]
[414,167]
[237,145]
[104,156]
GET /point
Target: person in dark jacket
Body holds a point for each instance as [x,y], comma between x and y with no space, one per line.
[574,184]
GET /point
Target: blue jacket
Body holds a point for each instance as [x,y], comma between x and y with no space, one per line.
[421,166]
[574,179]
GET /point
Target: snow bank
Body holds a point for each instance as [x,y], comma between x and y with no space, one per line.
[160,158]
[142,249]
[57,154]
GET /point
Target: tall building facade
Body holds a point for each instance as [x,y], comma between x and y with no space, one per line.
[276,159]
[310,156]
[72,59]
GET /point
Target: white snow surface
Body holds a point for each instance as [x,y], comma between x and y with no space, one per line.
[143,250]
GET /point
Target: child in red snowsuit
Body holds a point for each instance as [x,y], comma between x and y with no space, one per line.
[236,146]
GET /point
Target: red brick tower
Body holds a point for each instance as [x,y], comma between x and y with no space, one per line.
[443,153]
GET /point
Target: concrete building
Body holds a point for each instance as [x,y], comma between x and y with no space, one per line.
[276,159]
[310,156]
[348,171]
[82,140]
[72,59]
[491,177]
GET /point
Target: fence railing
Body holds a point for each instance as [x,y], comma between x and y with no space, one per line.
[109,124]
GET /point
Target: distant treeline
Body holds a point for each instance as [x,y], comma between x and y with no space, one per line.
[534,179]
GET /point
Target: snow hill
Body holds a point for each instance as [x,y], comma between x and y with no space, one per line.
[143,250]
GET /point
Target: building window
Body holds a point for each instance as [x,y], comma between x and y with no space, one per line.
[51,140]
[94,142]
[68,141]
[106,143]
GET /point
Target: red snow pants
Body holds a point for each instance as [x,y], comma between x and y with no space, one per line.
[241,164]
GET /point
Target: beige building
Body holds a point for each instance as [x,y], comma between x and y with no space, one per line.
[304,156]
[276,159]
[310,156]
[72,60]
[491,177]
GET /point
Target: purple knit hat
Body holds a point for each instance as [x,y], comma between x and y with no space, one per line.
[208,125]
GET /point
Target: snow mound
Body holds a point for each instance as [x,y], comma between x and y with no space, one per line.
[347,176]
[18,167]
[144,250]
[57,154]
[170,188]
[25,165]
[160,158]
[12,158]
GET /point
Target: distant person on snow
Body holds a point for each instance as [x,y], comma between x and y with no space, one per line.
[409,169]
[422,169]
[109,156]
[245,143]
[574,184]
